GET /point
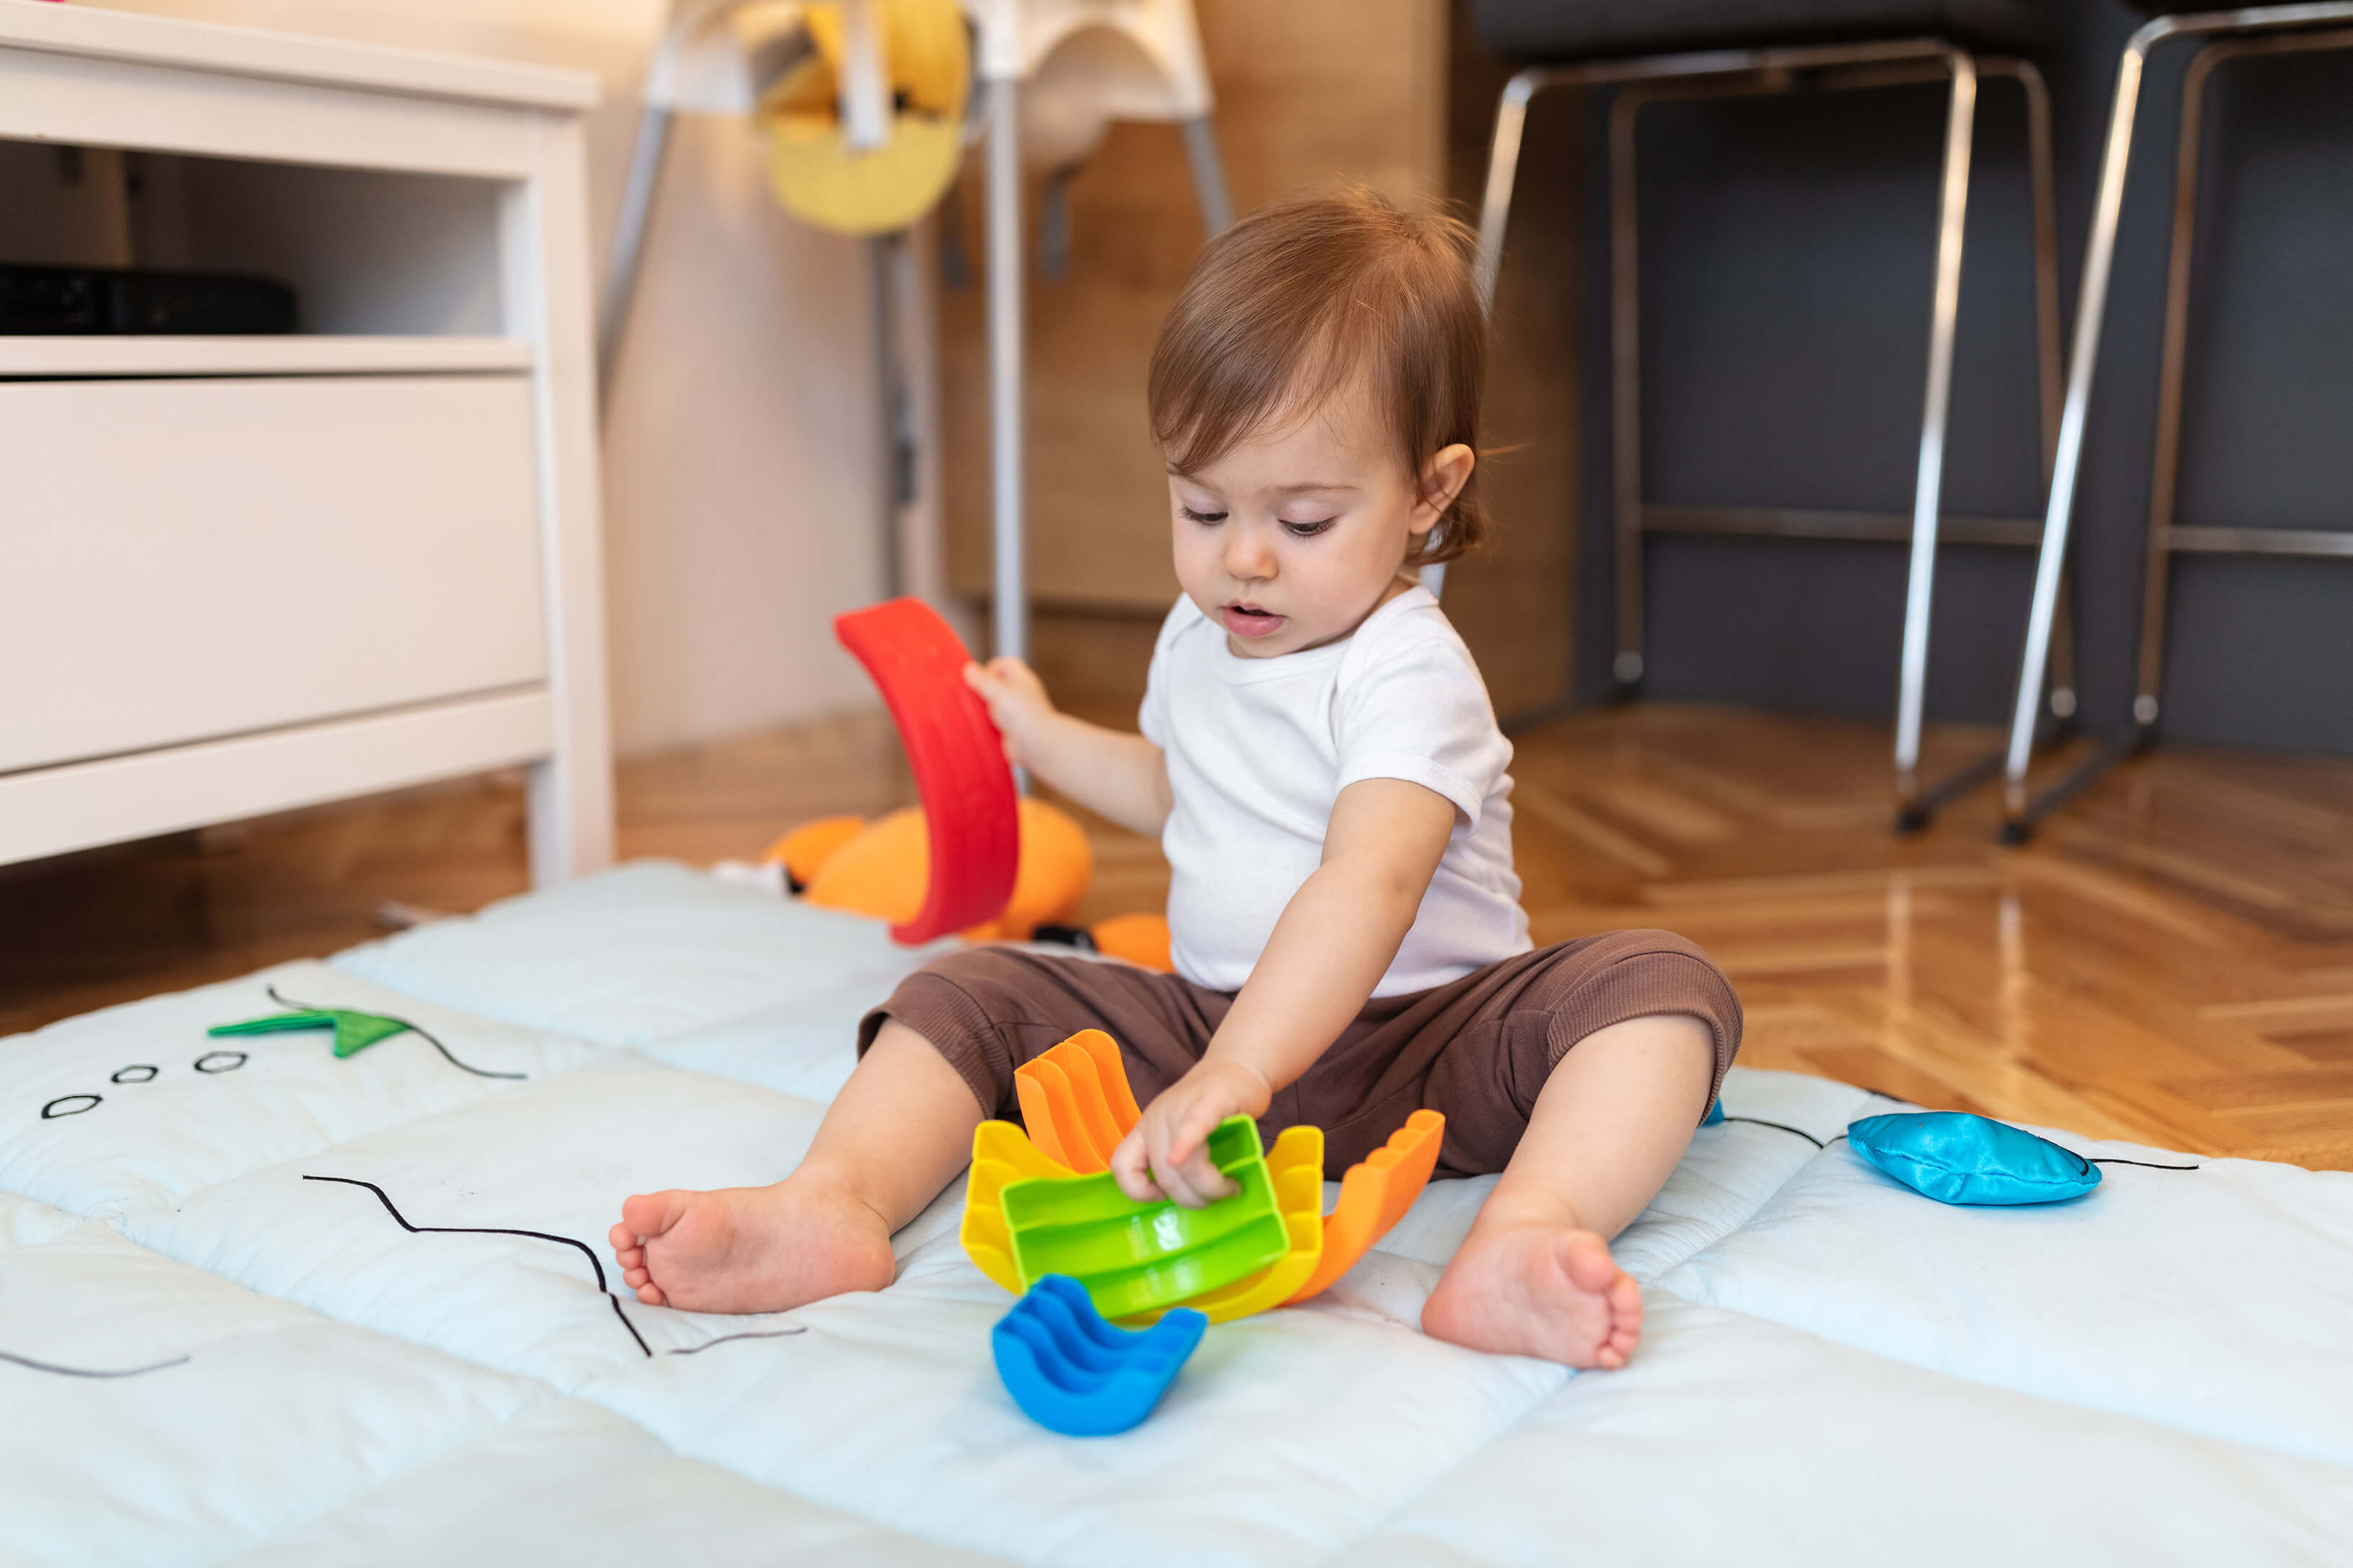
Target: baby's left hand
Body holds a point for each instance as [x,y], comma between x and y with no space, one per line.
[1017,705]
[1165,1155]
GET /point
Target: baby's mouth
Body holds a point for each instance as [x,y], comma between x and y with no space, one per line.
[1249,620]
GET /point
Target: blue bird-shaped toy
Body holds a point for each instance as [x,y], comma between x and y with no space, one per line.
[1074,1374]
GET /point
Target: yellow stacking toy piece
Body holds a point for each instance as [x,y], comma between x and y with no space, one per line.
[1076,1100]
[1001,1153]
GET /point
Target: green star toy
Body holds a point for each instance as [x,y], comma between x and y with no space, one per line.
[354,1032]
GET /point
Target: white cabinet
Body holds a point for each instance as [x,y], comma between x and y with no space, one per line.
[239,574]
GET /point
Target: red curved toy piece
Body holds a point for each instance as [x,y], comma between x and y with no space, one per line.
[970,815]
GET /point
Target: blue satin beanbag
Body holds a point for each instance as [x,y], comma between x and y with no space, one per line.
[1957,1158]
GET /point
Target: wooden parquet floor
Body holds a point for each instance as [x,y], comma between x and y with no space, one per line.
[2171,962]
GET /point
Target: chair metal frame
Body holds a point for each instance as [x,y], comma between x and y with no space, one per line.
[1008,46]
[2289,28]
[1746,72]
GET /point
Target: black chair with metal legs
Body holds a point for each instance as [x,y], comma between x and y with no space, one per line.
[2263,29]
[1729,48]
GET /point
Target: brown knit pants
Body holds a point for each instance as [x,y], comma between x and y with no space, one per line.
[1477,1049]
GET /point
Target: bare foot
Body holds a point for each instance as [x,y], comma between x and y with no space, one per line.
[752,1249]
[1540,1290]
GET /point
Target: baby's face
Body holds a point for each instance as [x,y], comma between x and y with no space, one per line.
[1296,535]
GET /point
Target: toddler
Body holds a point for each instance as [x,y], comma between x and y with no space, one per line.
[1322,765]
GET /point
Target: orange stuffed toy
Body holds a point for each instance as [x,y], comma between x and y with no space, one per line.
[880,868]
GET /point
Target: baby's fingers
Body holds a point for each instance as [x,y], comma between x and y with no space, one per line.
[1174,1180]
[983,681]
[1128,1163]
[1189,1177]
[1188,1154]
[1013,672]
[1201,1174]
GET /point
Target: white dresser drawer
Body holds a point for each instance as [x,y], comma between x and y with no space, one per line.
[192,558]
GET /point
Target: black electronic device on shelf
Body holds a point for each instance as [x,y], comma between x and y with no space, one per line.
[47,302]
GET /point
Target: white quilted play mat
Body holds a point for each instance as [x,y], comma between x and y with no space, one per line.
[259,1305]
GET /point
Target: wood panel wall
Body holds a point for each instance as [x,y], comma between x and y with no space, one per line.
[1312,94]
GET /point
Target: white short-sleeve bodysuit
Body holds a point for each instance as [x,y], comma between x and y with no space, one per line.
[1260,749]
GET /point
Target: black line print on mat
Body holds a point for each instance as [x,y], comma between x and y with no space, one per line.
[402,1220]
[221,1061]
[729,1339]
[88,1372]
[492,1230]
[50,1112]
[413,1028]
[146,1072]
[1779,1127]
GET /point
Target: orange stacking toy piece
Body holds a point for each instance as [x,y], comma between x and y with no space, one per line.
[1138,938]
[1374,1196]
[1076,1103]
[882,868]
[807,849]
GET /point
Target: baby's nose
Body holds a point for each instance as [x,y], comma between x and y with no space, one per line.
[1247,554]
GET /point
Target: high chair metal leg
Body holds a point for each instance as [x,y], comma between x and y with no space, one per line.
[1010,607]
[1208,175]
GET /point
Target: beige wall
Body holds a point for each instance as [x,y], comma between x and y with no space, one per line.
[741,491]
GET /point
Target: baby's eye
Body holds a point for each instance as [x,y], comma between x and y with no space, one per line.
[1200,516]
[1307,530]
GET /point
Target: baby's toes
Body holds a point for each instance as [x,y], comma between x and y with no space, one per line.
[652,1294]
[1626,1300]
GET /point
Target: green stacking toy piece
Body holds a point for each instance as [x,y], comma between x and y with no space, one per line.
[354,1032]
[1138,1257]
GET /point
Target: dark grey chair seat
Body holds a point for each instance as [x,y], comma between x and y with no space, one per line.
[2183,7]
[1537,32]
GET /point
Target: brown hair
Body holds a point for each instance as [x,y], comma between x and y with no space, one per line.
[1296,300]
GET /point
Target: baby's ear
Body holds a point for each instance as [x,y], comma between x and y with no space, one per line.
[1442,478]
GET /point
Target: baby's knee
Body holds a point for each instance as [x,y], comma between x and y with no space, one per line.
[1629,974]
[1648,945]
[958,1003]
[986,970]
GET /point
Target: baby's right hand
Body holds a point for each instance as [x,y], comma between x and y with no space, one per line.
[1166,1153]
[1016,700]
